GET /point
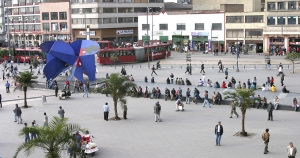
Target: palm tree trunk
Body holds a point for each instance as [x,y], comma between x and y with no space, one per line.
[25,97]
[116,110]
[243,122]
[293,66]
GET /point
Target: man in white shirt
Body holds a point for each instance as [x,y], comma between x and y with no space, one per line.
[106,111]
[291,151]
[203,79]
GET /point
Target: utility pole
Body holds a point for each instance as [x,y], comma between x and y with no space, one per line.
[8,34]
[148,39]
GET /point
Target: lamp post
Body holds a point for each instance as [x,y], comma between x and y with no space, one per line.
[147,39]
[8,34]
[237,55]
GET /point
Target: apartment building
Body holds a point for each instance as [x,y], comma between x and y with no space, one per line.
[114,20]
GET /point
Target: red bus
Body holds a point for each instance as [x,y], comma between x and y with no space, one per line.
[106,44]
[134,54]
[21,53]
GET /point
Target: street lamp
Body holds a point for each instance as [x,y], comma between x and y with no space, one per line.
[8,34]
[147,39]
[237,55]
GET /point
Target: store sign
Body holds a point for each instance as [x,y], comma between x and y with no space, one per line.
[254,39]
[199,33]
[83,33]
[177,33]
[124,32]
[158,33]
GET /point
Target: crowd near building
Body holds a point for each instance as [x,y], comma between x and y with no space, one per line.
[258,25]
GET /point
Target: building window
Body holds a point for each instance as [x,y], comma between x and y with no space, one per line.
[163,26]
[125,10]
[234,19]
[181,26]
[254,19]
[281,6]
[63,26]
[235,33]
[136,19]
[125,20]
[291,20]
[46,26]
[156,1]
[145,26]
[124,1]
[292,5]
[140,10]
[298,19]
[45,16]
[199,26]
[298,5]
[54,16]
[109,10]
[63,16]
[108,1]
[271,5]
[109,20]
[271,20]
[216,26]
[280,20]
[54,26]
[254,33]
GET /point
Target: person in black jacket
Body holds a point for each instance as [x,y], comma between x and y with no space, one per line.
[218,133]
[202,68]
[168,80]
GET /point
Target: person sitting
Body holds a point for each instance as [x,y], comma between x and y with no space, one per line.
[218,98]
[140,91]
[188,82]
[229,86]
[252,86]
[200,83]
[276,102]
[153,93]
[244,86]
[209,83]
[152,80]
[182,81]
[264,88]
[157,94]
[179,103]
[214,97]
[131,78]
[284,90]
[133,91]
[239,86]
[258,99]
[146,79]
[179,81]
[273,88]
[223,85]
[168,80]
[217,85]
[176,81]
[264,103]
[96,88]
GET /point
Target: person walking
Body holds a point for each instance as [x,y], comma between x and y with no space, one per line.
[75,86]
[153,70]
[202,68]
[30,67]
[248,83]
[187,68]
[45,120]
[7,85]
[56,89]
[226,74]
[167,94]
[33,135]
[85,90]
[106,111]
[188,94]
[266,138]
[190,69]
[27,138]
[0,100]
[206,99]
[291,150]
[61,112]
[172,78]
[270,111]
[125,112]
[38,70]
[18,113]
[282,79]
[218,133]
[157,109]
[233,109]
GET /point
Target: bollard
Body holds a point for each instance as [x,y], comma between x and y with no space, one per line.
[212,67]
[171,66]
[288,66]
[140,66]
[232,66]
[131,66]
[254,66]
[110,65]
[181,66]
[244,67]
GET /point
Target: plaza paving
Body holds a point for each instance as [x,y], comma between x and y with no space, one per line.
[181,134]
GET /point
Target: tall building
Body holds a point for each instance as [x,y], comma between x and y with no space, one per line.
[22,20]
[114,20]
[2,24]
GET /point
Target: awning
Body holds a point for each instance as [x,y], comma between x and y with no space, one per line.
[164,38]
[177,39]
[221,42]
[146,38]
[200,38]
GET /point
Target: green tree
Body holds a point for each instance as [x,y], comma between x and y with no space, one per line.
[25,80]
[117,87]
[53,139]
[246,102]
[292,57]
[114,58]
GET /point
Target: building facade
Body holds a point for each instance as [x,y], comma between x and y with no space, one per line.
[204,32]
[282,25]
[114,20]
[55,21]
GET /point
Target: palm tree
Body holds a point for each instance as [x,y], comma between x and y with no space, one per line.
[246,102]
[117,87]
[53,139]
[24,80]
[292,57]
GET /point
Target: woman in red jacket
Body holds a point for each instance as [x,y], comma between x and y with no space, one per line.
[223,85]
